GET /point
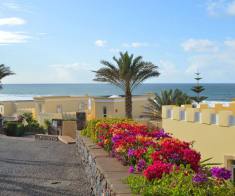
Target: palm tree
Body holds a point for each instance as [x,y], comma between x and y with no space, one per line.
[166,97]
[127,73]
[4,71]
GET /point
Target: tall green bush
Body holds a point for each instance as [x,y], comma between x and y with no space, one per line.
[32,125]
[91,127]
[14,129]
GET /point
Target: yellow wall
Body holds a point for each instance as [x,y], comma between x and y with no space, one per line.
[24,104]
[67,104]
[47,107]
[212,139]
[116,106]
[25,107]
[9,108]
[99,109]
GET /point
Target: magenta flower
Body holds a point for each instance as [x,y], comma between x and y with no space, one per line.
[220,173]
[141,165]
[200,178]
[131,169]
[130,152]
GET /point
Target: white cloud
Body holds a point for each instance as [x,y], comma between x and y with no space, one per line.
[100,43]
[12,21]
[230,43]
[216,67]
[135,45]
[215,7]
[169,72]
[221,7]
[199,45]
[231,8]
[12,6]
[70,72]
[8,37]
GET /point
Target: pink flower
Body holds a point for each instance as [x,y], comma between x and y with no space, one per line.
[131,169]
[157,170]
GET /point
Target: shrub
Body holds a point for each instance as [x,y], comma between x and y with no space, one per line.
[32,126]
[168,165]
[180,182]
[92,126]
[10,128]
[14,129]
[20,131]
[20,127]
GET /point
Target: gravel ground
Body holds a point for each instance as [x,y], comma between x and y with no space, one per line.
[29,167]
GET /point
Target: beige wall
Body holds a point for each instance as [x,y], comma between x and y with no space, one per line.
[116,106]
[67,104]
[99,109]
[213,134]
[48,107]
[24,104]
[25,107]
[9,108]
[1,109]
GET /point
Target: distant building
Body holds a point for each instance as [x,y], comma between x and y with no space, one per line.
[66,107]
[10,109]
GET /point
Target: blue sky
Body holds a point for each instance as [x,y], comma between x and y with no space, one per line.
[61,41]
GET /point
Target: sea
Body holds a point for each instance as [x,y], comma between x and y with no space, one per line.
[214,92]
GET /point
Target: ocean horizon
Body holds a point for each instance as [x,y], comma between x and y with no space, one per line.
[214,91]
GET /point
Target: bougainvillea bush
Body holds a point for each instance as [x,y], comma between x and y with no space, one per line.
[165,165]
[92,126]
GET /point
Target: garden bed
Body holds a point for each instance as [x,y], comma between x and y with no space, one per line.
[160,164]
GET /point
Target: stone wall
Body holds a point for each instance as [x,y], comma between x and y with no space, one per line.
[106,174]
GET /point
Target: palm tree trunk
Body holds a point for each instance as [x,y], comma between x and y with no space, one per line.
[128,103]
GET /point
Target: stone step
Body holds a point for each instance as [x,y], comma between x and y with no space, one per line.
[66,139]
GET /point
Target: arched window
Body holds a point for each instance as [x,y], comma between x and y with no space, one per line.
[104,112]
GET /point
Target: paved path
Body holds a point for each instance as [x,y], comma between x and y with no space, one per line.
[29,167]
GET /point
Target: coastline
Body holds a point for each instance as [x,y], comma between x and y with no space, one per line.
[214,92]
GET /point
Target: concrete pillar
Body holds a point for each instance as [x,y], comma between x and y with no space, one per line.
[191,113]
[207,116]
[224,118]
[177,113]
[165,110]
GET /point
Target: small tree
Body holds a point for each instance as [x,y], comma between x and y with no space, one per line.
[153,109]
[198,89]
[4,71]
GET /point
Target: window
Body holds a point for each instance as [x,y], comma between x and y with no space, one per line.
[40,107]
[104,112]
[81,107]
[58,108]
[89,104]
[233,171]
